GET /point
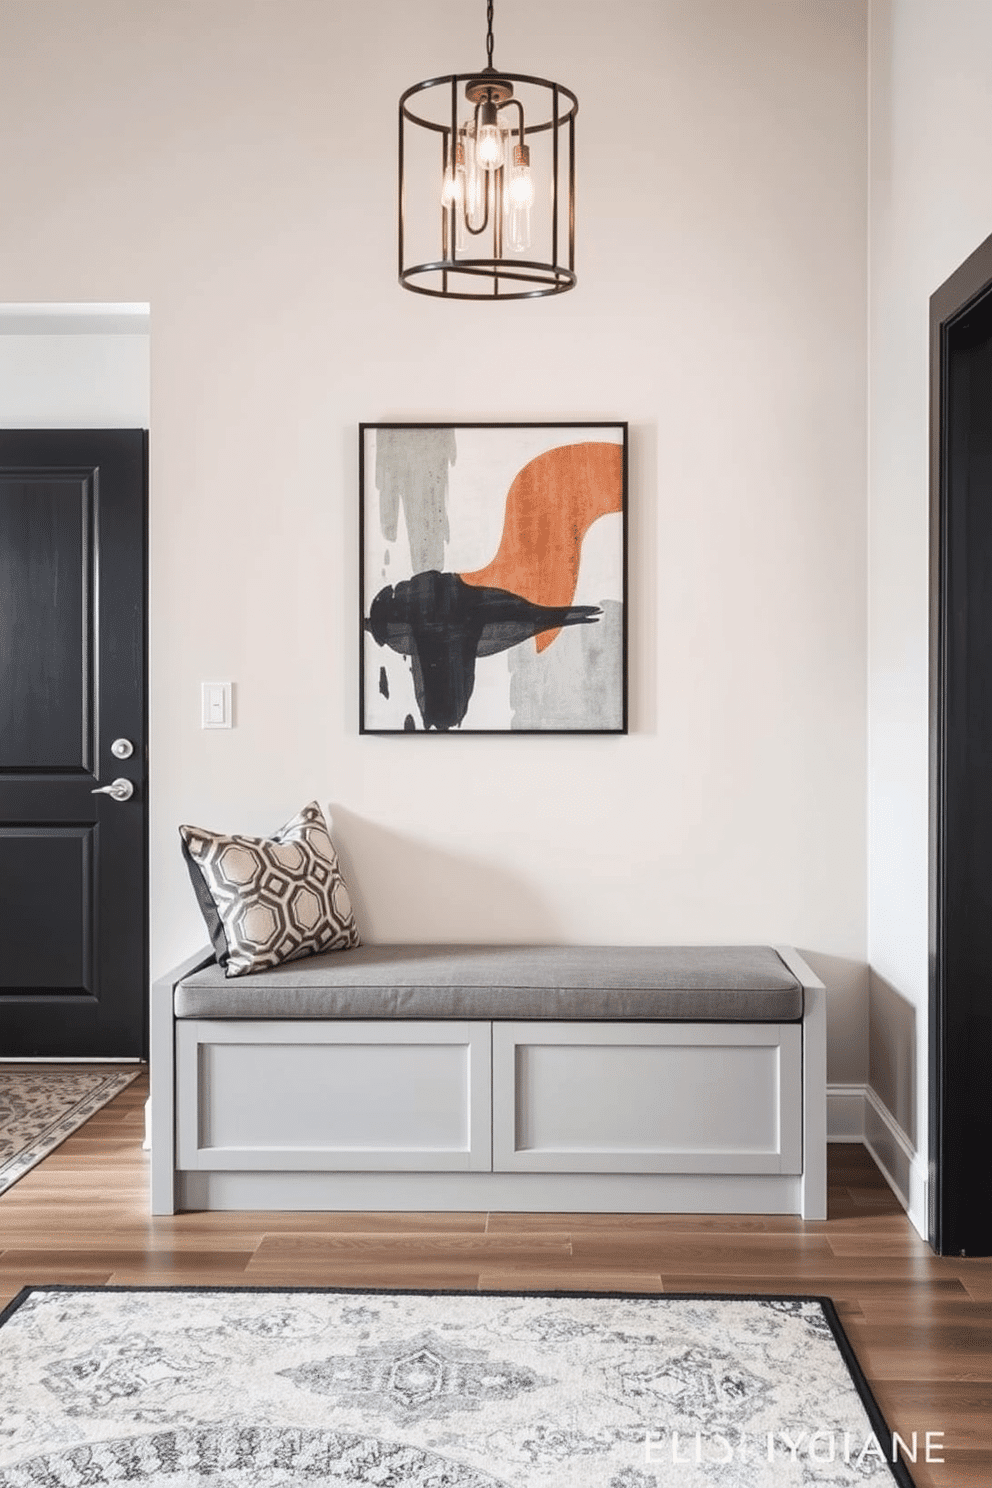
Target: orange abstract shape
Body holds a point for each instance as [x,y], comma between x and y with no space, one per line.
[550,506]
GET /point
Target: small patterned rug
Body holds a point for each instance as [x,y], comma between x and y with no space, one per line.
[41,1105]
[166,1388]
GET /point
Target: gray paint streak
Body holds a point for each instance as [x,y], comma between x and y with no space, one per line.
[411,470]
[577,683]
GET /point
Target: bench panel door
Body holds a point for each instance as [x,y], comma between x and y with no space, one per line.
[373,1096]
[647,1098]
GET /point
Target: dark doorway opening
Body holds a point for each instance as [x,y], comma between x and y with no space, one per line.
[961,759]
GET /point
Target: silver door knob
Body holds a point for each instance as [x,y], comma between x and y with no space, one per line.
[120,789]
[122,749]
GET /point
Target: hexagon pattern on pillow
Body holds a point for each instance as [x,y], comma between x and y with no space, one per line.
[266,900]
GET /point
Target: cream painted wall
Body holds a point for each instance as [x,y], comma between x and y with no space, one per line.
[931,119]
[233,163]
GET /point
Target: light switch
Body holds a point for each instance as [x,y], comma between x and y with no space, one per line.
[215,704]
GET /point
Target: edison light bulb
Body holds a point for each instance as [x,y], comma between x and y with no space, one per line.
[489,148]
[453,193]
[473,177]
[521,183]
[453,188]
[520,199]
[489,138]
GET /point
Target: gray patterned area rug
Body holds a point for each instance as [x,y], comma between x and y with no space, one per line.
[41,1105]
[166,1388]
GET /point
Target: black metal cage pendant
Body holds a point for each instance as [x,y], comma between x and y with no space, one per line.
[487,185]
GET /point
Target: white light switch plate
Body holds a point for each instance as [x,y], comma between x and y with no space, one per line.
[215,705]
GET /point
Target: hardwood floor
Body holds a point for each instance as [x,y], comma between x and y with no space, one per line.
[920,1325]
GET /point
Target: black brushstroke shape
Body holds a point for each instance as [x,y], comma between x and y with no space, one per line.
[444,624]
[383,682]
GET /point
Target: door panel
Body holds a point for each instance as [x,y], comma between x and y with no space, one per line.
[46,621]
[46,945]
[73,864]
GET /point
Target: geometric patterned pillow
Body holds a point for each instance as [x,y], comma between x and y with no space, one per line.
[270,899]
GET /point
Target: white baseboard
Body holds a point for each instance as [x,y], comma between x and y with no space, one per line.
[856,1114]
[846,1113]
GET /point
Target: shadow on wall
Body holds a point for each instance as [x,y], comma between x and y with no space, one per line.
[406,890]
[892,1039]
[846,981]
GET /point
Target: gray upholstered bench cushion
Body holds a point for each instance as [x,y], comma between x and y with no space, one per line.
[724,984]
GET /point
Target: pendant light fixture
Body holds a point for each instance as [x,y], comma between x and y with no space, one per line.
[487,185]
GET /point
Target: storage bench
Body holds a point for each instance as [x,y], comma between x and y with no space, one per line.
[584,1078]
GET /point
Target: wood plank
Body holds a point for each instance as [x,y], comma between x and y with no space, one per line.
[419,1275]
[894,1355]
[128,1240]
[111,1258]
[932,1312]
[552,1279]
[846,1288]
[719,1224]
[445,1248]
[977,1282]
[873,1244]
[150,1275]
[961,1409]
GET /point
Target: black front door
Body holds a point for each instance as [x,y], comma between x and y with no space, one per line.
[73,862]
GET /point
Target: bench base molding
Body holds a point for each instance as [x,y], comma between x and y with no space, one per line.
[523,1193]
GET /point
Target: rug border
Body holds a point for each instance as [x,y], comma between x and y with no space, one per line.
[880,1426]
[49,1140]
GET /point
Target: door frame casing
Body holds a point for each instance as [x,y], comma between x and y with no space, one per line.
[949,1167]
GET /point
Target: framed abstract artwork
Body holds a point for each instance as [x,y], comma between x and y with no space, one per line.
[493,578]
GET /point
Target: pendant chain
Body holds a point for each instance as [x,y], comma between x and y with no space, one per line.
[489,33]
